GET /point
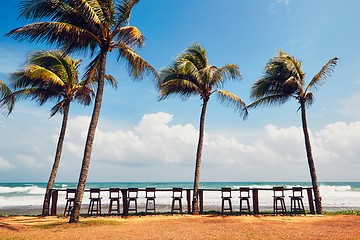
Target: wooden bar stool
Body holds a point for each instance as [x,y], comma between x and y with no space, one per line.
[244,197]
[176,197]
[279,198]
[297,205]
[95,201]
[70,200]
[150,199]
[226,196]
[133,194]
[114,196]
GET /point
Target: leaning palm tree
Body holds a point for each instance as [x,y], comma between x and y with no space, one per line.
[284,79]
[4,92]
[98,26]
[191,75]
[49,76]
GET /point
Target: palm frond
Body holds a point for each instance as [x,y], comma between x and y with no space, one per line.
[111,80]
[50,76]
[270,100]
[292,64]
[123,12]
[59,107]
[309,99]
[229,99]
[185,67]
[5,100]
[283,77]
[224,73]
[65,35]
[135,64]
[190,75]
[4,90]
[264,87]
[325,72]
[196,53]
[84,95]
[92,72]
[178,86]
[38,9]
[130,35]
[92,12]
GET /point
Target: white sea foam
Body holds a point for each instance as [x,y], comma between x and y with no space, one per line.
[28,190]
[334,196]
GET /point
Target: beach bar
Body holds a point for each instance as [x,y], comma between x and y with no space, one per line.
[124,193]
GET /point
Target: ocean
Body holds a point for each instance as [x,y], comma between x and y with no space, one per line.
[27,198]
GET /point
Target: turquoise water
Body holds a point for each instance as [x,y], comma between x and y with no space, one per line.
[335,195]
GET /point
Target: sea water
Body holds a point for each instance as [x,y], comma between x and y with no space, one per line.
[23,198]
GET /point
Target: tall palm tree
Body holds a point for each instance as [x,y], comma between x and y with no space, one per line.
[98,26]
[4,92]
[51,75]
[284,79]
[192,75]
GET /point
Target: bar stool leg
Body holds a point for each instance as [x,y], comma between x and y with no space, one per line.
[302,205]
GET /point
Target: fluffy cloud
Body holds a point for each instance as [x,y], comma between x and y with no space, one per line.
[152,141]
[348,105]
[168,150]
[4,165]
[155,142]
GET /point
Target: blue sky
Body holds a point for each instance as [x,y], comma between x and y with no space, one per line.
[141,139]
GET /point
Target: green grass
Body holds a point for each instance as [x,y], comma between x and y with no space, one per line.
[347,212]
[49,225]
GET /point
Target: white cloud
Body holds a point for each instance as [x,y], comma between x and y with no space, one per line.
[348,106]
[5,165]
[286,2]
[338,143]
[152,141]
[276,5]
[30,161]
[157,147]
[277,153]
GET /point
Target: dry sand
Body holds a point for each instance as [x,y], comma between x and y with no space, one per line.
[183,227]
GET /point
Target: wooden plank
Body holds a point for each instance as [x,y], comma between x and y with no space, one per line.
[311,200]
[188,198]
[54,199]
[125,202]
[201,200]
[255,195]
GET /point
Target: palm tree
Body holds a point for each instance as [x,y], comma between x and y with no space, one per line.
[4,92]
[284,79]
[51,75]
[98,26]
[191,75]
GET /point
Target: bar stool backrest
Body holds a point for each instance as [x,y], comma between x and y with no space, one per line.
[297,192]
[177,192]
[94,193]
[149,192]
[278,191]
[70,193]
[114,193]
[226,192]
[245,192]
[133,192]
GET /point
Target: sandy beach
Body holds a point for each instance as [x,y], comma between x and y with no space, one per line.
[183,227]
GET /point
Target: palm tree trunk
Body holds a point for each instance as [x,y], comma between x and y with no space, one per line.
[75,212]
[45,211]
[195,202]
[311,163]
